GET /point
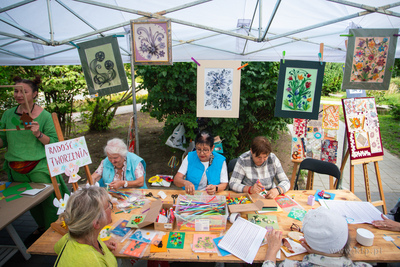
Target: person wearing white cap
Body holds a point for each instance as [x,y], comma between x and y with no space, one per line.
[325,238]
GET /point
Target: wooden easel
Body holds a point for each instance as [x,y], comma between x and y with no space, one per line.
[364,163]
[86,167]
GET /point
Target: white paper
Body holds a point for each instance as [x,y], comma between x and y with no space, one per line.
[32,192]
[297,248]
[243,239]
[354,211]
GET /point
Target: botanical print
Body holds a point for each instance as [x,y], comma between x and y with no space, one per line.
[299,89]
[330,117]
[369,59]
[299,127]
[151,42]
[375,141]
[329,151]
[204,243]
[102,66]
[361,139]
[218,89]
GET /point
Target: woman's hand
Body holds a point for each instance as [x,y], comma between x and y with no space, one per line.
[256,188]
[306,246]
[116,184]
[111,244]
[386,224]
[189,188]
[274,240]
[272,193]
[34,127]
[211,189]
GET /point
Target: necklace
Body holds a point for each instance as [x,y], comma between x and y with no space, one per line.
[19,114]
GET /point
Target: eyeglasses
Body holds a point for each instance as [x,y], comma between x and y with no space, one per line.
[112,205]
[295,227]
[204,151]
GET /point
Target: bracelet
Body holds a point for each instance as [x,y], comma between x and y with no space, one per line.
[40,135]
[249,190]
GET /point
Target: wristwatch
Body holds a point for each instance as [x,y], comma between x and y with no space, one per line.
[216,189]
[126,184]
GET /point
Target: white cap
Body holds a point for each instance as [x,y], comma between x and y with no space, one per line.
[325,231]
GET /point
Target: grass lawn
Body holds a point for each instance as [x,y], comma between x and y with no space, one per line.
[390,133]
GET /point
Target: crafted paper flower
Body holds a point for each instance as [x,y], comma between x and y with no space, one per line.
[72,172]
[61,204]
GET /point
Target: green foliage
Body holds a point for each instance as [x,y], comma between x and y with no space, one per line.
[172,98]
[100,114]
[332,78]
[395,111]
[390,132]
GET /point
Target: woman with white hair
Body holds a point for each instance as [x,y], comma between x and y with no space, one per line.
[87,212]
[121,169]
[326,237]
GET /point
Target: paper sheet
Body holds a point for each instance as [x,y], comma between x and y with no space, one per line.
[243,239]
[354,211]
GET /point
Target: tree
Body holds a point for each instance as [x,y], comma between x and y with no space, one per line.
[172,98]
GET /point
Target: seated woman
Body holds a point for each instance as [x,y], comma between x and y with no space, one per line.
[121,168]
[204,169]
[87,212]
[256,169]
[319,225]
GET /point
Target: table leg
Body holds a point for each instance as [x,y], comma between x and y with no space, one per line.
[18,242]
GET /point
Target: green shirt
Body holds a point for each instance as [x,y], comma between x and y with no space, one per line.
[77,254]
[23,145]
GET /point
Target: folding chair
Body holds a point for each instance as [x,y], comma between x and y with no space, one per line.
[318,166]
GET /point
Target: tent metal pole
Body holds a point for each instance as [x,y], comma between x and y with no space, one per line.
[54,53]
[75,14]
[319,25]
[259,19]
[278,2]
[381,9]
[134,104]
[12,53]
[4,9]
[11,23]
[50,21]
[28,39]
[195,3]
[155,15]
[251,25]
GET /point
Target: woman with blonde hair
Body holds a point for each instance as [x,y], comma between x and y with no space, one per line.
[88,211]
[121,168]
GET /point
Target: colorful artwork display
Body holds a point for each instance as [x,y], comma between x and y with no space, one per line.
[176,240]
[297,214]
[135,220]
[320,141]
[135,249]
[362,128]
[151,42]
[103,67]
[121,229]
[299,89]
[218,89]
[143,235]
[370,55]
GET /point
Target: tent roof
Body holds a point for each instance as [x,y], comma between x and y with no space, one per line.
[39,32]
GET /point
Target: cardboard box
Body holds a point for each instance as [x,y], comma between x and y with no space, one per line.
[167,227]
[258,205]
[151,210]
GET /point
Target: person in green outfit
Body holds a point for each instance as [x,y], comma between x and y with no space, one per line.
[25,159]
[87,212]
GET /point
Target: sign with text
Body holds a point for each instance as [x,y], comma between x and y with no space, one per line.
[65,154]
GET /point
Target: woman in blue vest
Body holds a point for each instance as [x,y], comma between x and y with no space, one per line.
[203,168]
[121,168]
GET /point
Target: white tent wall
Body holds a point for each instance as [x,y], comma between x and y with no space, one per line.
[38,32]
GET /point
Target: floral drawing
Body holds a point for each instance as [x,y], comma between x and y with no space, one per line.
[218,89]
[151,42]
[369,59]
[299,91]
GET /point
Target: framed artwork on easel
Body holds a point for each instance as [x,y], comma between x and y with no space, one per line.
[362,129]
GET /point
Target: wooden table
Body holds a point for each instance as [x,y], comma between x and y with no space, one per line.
[382,251]
[10,211]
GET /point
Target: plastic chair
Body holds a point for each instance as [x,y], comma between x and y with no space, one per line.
[318,166]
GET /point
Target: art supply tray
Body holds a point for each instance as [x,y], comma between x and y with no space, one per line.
[201,213]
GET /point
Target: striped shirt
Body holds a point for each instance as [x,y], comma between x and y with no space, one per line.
[246,173]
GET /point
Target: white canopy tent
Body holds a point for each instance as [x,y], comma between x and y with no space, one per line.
[41,32]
